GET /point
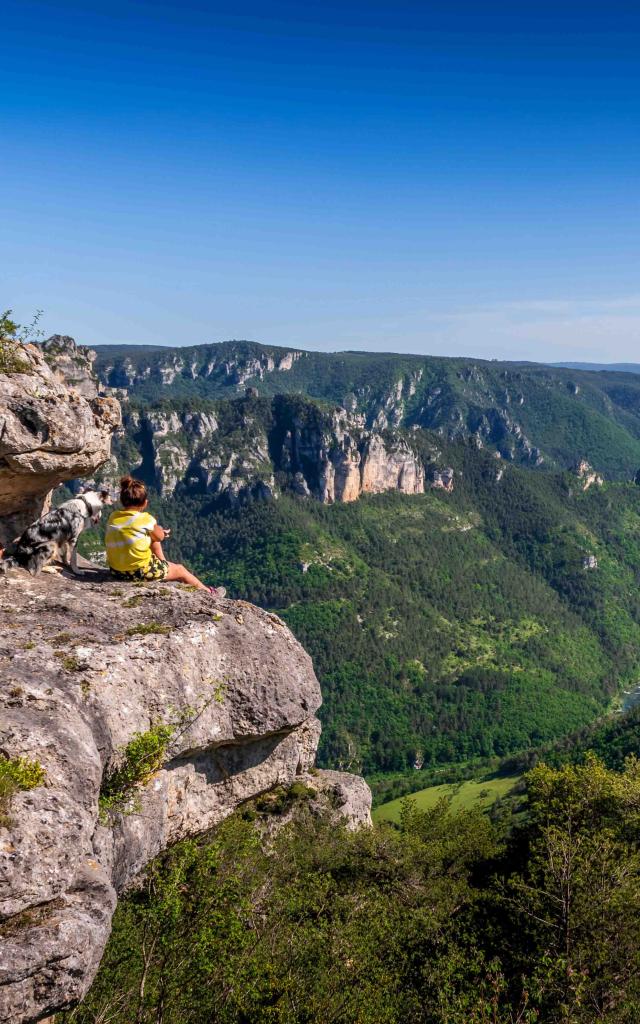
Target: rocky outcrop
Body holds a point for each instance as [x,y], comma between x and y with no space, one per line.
[71,364]
[88,666]
[49,432]
[587,474]
[443,479]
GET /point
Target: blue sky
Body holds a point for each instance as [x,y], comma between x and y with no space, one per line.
[456,178]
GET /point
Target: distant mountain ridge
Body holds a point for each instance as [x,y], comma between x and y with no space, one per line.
[599,367]
[527,413]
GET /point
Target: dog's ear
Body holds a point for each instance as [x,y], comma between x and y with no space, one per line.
[106,497]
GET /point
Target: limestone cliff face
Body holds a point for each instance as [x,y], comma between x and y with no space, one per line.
[267,447]
[369,465]
[391,467]
[84,669]
[231,365]
[49,432]
[188,451]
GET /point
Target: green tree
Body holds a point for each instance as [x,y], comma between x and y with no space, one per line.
[579,894]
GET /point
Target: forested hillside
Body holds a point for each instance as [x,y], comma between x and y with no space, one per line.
[495,612]
[444,920]
[442,626]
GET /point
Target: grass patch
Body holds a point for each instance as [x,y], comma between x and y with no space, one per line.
[60,639]
[148,628]
[133,602]
[16,774]
[69,662]
[475,793]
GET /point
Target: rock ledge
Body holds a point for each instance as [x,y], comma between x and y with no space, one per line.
[78,682]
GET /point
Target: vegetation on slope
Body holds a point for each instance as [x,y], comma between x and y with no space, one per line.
[441,921]
[443,627]
[478,793]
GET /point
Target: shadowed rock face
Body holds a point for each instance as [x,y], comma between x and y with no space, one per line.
[49,432]
[76,686]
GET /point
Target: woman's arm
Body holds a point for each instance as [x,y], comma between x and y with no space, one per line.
[158,533]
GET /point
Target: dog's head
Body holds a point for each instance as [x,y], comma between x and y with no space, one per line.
[96,500]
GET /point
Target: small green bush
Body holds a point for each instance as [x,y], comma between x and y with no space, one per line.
[69,662]
[146,628]
[11,360]
[17,774]
[298,791]
[279,800]
[142,756]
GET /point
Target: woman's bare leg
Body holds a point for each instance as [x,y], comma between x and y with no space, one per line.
[177,572]
[182,574]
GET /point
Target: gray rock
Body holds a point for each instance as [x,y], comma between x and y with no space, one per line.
[72,364]
[241,695]
[48,433]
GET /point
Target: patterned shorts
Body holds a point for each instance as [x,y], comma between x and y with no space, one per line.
[157,569]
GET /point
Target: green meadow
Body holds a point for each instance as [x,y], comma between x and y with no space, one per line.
[481,793]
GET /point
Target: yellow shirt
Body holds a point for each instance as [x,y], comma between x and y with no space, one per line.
[127,540]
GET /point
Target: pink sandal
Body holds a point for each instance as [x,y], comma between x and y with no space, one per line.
[217,592]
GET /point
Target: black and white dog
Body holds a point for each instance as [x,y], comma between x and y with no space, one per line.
[56,533]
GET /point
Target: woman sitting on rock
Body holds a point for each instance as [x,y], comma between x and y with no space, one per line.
[134,542]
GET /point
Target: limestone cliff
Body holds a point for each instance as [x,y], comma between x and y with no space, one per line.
[49,432]
[257,448]
[86,666]
[230,364]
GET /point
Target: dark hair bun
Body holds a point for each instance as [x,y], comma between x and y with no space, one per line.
[133,493]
